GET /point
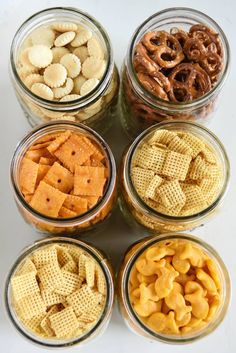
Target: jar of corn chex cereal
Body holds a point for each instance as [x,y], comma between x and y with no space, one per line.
[173,177]
[176,64]
[62,67]
[63,176]
[173,288]
[60,292]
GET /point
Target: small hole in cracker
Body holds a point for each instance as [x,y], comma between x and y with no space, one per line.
[73,153]
[88,181]
[47,199]
[59,180]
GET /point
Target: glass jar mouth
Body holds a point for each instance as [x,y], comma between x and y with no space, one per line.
[153,100]
[135,196]
[81,102]
[226,295]
[109,295]
[63,124]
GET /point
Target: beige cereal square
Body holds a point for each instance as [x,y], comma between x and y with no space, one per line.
[141,179]
[171,194]
[150,157]
[51,277]
[176,165]
[64,323]
[194,142]
[72,282]
[24,285]
[151,191]
[31,305]
[82,300]
[45,256]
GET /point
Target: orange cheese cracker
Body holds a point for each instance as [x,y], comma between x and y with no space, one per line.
[73,152]
[64,174]
[76,204]
[60,178]
[47,200]
[89,181]
[28,174]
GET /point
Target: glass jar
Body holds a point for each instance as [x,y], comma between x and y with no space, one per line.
[132,320]
[140,108]
[84,222]
[97,108]
[103,321]
[139,214]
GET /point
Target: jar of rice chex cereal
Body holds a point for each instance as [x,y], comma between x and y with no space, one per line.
[63,176]
[60,292]
[62,67]
[173,177]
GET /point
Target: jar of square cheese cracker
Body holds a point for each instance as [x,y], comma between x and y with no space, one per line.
[63,176]
[174,177]
[176,64]
[173,288]
[60,292]
[62,67]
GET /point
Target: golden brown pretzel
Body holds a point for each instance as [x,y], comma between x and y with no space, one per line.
[207,36]
[180,35]
[152,85]
[165,49]
[142,61]
[194,49]
[188,82]
[212,64]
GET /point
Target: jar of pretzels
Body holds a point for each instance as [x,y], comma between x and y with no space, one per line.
[173,177]
[62,67]
[175,68]
[60,292]
[63,176]
[174,288]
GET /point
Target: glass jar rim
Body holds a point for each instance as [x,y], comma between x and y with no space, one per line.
[83,101]
[96,254]
[153,100]
[63,124]
[220,264]
[135,196]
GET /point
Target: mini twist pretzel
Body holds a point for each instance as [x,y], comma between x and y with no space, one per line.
[207,36]
[152,85]
[143,62]
[188,82]
[165,48]
[194,49]
[212,64]
[180,35]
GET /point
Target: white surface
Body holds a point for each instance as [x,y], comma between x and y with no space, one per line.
[120,18]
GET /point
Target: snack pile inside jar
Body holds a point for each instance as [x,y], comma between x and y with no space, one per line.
[179,66]
[175,287]
[63,61]
[63,174]
[59,291]
[176,173]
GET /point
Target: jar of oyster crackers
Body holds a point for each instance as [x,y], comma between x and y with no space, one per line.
[62,67]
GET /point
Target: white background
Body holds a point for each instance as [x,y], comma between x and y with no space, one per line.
[120,18]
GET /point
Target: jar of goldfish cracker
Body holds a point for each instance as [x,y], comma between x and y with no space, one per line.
[63,176]
[62,67]
[173,288]
[173,177]
[60,292]
[176,65]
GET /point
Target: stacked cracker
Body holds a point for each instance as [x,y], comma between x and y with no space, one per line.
[59,292]
[176,173]
[63,174]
